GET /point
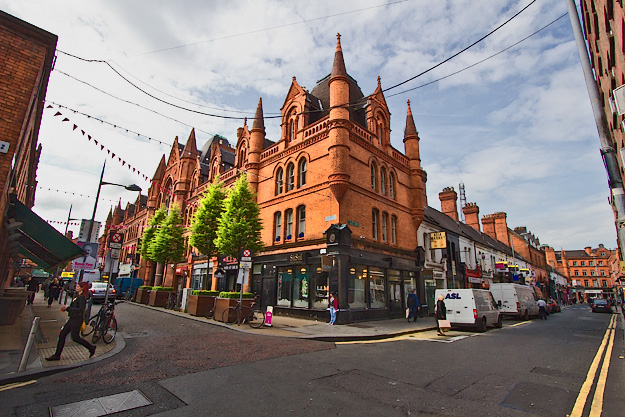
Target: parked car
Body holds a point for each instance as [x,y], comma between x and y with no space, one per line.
[552,306]
[600,305]
[98,292]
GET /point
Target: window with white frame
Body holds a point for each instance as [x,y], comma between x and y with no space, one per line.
[277,220]
[394,230]
[384,226]
[302,173]
[279,181]
[301,221]
[288,219]
[290,177]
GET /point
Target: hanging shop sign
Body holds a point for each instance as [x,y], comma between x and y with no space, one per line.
[438,240]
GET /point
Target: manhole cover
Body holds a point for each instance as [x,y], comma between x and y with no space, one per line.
[103,405]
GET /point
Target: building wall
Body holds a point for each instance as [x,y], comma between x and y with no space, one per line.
[26,59]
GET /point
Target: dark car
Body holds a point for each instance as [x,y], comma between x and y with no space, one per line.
[600,305]
[98,292]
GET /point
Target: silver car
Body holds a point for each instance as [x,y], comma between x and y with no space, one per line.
[98,292]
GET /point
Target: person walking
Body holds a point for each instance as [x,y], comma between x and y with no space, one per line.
[44,287]
[413,306]
[441,313]
[333,306]
[542,309]
[53,291]
[33,287]
[76,312]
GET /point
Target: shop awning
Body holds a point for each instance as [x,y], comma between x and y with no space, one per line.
[37,240]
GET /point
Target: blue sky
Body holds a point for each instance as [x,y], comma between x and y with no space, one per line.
[517,129]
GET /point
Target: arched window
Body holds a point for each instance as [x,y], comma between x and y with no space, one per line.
[290,177]
[383,180]
[374,223]
[301,221]
[288,220]
[292,126]
[384,227]
[302,173]
[394,230]
[391,184]
[279,181]
[379,131]
[242,157]
[374,175]
[277,220]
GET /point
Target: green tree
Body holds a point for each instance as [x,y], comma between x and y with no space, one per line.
[206,219]
[167,246]
[239,225]
[148,235]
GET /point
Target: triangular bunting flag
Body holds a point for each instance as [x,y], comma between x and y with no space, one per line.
[58,113]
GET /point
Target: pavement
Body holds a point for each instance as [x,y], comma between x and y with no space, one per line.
[13,338]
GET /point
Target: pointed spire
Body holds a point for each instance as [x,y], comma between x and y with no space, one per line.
[160,170]
[245,122]
[259,121]
[338,67]
[380,85]
[190,148]
[411,129]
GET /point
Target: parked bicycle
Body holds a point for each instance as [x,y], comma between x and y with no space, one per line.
[103,324]
[174,301]
[239,313]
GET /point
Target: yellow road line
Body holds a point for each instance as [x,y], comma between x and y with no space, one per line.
[16,385]
[519,324]
[578,408]
[597,402]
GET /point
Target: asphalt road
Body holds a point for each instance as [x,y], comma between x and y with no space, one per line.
[188,368]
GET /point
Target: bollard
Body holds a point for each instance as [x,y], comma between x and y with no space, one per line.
[29,345]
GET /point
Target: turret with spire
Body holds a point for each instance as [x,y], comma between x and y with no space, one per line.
[339,125]
[418,177]
[257,140]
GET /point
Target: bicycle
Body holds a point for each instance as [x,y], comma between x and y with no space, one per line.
[174,301]
[106,327]
[253,316]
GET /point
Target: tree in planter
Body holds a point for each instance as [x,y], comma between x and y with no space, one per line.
[167,245]
[206,219]
[239,225]
[148,236]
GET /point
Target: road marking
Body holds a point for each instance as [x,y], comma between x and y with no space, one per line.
[16,385]
[519,324]
[580,403]
[597,401]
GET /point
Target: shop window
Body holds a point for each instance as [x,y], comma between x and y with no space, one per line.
[383,180]
[374,176]
[290,177]
[277,220]
[301,221]
[322,287]
[384,227]
[285,286]
[391,185]
[377,294]
[288,219]
[374,223]
[300,287]
[356,284]
[279,181]
[302,173]
[394,230]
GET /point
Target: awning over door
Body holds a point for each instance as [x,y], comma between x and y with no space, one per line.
[37,240]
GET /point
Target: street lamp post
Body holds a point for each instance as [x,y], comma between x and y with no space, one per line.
[132,187]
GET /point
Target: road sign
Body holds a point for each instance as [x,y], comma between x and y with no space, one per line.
[116,240]
[246,255]
[245,264]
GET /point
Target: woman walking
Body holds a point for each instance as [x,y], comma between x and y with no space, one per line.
[333,306]
[54,289]
[76,312]
[441,313]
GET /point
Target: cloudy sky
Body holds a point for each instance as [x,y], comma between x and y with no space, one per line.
[516,129]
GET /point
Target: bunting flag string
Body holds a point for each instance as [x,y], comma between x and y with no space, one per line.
[70,193]
[62,222]
[139,226]
[103,147]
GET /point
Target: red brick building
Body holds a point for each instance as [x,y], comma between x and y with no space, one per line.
[339,204]
[26,59]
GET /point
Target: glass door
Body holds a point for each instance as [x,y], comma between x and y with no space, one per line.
[396,303]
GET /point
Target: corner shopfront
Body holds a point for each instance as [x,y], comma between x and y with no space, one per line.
[369,285]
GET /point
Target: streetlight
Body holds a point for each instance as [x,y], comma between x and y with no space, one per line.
[132,187]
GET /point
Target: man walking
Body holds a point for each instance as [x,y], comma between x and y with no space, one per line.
[542,309]
[413,305]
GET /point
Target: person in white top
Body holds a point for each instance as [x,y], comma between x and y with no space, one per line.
[542,309]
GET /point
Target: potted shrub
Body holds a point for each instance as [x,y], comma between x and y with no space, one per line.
[228,299]
[143,294]
[159,296]
[200,301]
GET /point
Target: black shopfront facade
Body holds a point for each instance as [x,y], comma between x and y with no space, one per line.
[369,285]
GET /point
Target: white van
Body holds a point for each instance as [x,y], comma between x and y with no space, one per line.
[469,307]
[515,300]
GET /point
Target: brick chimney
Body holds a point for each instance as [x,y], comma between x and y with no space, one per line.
[488,223]
[472,215]
[449,202]
[501,227]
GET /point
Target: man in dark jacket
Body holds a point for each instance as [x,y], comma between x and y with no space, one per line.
[413,305]
[33,287]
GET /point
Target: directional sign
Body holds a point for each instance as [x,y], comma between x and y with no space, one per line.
[116,240]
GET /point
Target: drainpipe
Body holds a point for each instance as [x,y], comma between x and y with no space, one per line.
[608,154]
